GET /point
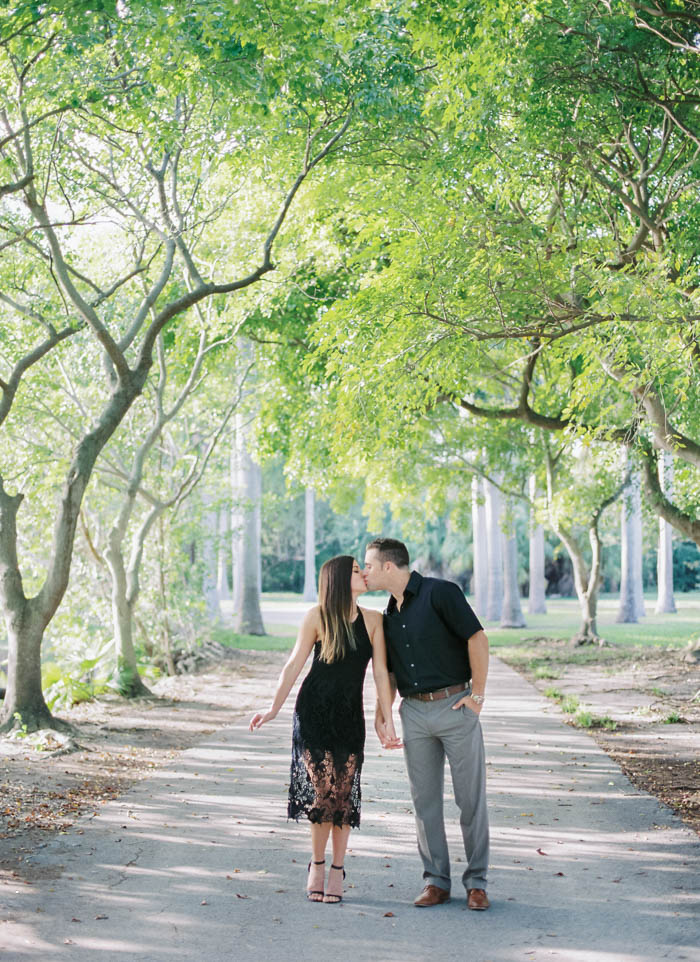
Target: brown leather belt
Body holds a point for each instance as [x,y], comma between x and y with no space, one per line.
[439,694]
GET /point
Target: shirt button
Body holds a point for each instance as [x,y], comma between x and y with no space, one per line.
[415,684]
[412,665]
[403,626]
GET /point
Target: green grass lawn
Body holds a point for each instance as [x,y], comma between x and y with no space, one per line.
[269,642]
[561,622]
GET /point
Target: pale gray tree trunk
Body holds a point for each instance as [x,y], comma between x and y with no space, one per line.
[665,602]
[480,549]
[209,559]
[586,579]
[631,597]
[536,603]
[494,600]
[26,618]
[236,529]
[223,589]
[123,600]
[247,493]
[310,590]
[638,547]
[511,612]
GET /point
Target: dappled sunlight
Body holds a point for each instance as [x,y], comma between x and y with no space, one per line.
[201,859]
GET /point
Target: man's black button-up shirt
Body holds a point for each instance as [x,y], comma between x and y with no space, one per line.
[427,639]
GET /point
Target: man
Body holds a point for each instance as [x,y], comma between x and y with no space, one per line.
[438,658]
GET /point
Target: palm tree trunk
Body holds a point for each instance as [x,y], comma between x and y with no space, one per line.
[310,591]
[494,602]
[665,602]
[631,596]
[247,492]
[511,613]
[536,604]
[480,550]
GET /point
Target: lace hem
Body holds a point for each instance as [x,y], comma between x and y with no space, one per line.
[323,790]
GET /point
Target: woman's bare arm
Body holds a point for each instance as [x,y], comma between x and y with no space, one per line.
[306,638]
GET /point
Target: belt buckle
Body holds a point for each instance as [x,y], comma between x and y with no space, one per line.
[430,693]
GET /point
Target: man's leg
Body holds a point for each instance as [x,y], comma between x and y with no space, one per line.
[464,746]
[425,761]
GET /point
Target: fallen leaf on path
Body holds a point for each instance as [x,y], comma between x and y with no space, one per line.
[540,852]
[239,896]
[204,902]
[388,915]
[98,917]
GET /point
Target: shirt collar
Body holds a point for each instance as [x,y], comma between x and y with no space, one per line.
[412,588]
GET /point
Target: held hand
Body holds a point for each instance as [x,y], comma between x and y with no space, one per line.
[260,718]
[379,727]
[387,735]
[470,704]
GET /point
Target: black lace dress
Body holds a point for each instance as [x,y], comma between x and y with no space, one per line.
[329,737]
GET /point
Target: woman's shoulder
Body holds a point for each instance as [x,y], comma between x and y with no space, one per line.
[312,618]
[372,616]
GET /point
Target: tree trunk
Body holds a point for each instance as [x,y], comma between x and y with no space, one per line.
[586,582]
[631,597]
[129,681]
[494,601]
[236,527]
[27,618]
[166,634]
[223,588]
[511,613]
[536,604]
[638,546]
[247,491]
[480,550]
[23,706]
[310,591]
[209,558]
[24,703]
[665,602]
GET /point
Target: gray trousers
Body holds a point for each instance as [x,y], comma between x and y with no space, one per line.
[431,731]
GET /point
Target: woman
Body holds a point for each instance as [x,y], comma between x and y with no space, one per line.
[329,724]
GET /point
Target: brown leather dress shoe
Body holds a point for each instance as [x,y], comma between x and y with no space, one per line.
[432,895]
[477,900]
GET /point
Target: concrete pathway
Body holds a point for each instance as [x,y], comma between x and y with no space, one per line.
[199,862]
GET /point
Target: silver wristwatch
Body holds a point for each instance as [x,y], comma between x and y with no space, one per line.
[479,699]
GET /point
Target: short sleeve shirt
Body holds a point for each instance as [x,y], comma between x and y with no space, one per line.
[427,638]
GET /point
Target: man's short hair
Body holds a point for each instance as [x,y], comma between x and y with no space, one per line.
[389,549]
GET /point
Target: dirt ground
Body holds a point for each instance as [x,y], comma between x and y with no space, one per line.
[44,788]
[642,706]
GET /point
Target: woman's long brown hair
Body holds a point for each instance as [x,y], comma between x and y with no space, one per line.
[335,601]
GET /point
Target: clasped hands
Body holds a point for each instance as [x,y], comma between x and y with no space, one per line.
[387,734]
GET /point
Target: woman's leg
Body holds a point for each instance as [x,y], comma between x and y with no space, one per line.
[340,843]
[334,889]
[319,839]
[317,865]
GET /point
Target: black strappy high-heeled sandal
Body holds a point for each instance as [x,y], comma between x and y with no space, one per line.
[311,892]
[332,899]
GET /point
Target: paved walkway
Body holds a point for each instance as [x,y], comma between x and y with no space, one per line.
[198,862]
